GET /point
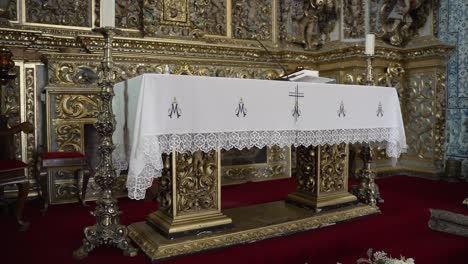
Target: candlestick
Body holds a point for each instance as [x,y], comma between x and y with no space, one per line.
[107,230]
[370,44]
[107,13]
[369,71]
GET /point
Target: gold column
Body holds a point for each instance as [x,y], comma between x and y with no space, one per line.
[322,176]
[189,194]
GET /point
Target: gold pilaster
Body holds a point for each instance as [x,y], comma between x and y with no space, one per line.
[322,176]
[189,194]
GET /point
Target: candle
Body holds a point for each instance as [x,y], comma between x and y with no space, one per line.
[107,12]
[370,44]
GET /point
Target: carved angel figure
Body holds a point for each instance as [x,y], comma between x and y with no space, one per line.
[317,17]
[401,19]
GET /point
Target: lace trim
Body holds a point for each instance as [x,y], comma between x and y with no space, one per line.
[153,146]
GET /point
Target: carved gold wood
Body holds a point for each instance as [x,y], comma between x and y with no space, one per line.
[367,191]
[401,20]
[322,176]
[353,20]
[307,22]
[184,18]
[252,19]
[76,106]
[30,115]
[189,193]
[59,12]
[11,105]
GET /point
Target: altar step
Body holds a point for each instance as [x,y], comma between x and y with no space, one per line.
[250,224]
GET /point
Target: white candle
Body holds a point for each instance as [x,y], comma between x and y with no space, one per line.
[107,12]
[370,44]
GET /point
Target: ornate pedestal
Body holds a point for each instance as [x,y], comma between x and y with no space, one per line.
[189,194]
[189,218]
[322,176]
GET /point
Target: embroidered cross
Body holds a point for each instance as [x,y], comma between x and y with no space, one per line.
[380,110]
[341,111]
[241,109]
[296,112]
[174,110]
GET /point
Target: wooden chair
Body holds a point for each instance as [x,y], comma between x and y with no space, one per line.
[72,161]
[12,171]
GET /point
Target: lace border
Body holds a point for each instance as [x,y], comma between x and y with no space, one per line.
[139,179]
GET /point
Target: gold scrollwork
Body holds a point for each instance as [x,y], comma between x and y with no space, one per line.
[76,106]
[306,169]
[354,78]
[353,19]
[30,116]
[420,115]
[71,72]
[69,137]
[197,182]
[183,18]
[165,186]
[11,105]
[210,16]
[59,12]
[333,168]
[251,19]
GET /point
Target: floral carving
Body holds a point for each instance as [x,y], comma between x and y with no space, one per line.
[59,12]
[353,20]
[333,168]
[306,169]
[69,137]
[184,18]
[197,181]
[77,106]
[251,19]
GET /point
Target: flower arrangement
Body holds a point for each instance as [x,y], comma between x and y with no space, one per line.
[381,257]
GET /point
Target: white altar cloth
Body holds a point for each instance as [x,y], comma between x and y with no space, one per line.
[159,113]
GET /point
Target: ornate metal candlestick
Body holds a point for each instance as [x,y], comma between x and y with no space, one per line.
[369,70]
[367,191]
[107,230]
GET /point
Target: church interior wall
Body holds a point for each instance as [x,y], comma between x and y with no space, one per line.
[58,56]
[453,29]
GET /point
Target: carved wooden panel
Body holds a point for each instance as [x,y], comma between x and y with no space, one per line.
[252,19]
[353,19]
[59,12]
[184,18]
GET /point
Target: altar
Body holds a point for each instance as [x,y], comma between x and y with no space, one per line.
[173,128]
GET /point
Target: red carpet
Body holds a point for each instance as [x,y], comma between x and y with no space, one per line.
[400,230]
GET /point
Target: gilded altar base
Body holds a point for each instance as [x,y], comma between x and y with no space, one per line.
[250,223]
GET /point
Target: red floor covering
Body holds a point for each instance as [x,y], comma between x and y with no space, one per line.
[400,230]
